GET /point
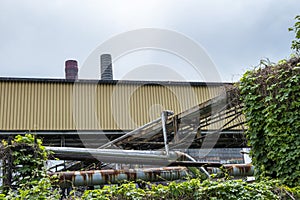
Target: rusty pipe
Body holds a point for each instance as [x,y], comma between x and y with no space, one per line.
[233,170]
[101,177]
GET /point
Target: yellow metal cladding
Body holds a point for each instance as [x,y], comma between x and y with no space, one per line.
[61,105]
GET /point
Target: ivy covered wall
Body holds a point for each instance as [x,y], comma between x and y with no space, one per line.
[271,97]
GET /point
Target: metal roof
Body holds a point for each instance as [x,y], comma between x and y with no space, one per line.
[114,82]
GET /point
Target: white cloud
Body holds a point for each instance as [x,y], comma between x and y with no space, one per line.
[37,36]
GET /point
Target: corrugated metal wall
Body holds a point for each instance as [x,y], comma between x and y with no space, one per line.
[33,105]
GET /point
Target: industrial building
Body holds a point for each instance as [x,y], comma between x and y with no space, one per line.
[72,112]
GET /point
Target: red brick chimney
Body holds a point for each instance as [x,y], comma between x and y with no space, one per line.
[71,69]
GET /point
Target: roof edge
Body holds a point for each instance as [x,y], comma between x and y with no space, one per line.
[113,82]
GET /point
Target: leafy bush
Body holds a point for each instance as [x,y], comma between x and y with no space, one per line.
[271,98]
[28,158]
[40,186]
[24,158]
[194,189]
[41,189]
[296,29]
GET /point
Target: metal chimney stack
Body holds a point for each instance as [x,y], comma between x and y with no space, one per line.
[106,67]
[71,69]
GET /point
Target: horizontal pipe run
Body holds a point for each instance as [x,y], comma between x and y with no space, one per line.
[101,177]
[119,155]
[235,170]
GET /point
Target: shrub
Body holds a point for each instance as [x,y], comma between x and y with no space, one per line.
[195,189]
[24,159]
[271,98]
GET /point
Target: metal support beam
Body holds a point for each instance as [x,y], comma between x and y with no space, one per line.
[164,116]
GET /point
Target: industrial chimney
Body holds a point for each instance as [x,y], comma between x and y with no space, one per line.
[71,69]
[106,67]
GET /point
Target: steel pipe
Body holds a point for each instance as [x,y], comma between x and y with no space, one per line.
[101,177]
[233,170]
[164,116]
[118,155]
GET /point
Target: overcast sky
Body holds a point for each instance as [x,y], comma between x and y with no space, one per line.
[38,36]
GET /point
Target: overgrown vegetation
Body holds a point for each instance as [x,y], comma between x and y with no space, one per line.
[271,97]
[25,175]
[30,181]
[195,189]
[296,29]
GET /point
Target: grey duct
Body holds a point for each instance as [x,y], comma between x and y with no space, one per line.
[119,156]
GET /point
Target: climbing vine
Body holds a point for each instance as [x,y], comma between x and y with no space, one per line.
[195,189]
[24,169]
[296,29]
[271,98]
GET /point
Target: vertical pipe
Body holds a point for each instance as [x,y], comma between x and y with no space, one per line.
[106,67]
[164,116]
[175,128]
[71,69]
[163,121]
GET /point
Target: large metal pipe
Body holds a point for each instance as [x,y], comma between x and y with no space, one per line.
[119,156]
[233,170]
[101,177]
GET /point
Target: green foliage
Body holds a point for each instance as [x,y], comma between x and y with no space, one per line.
[25,158]
[271,98]
[296,28]
[28,156]
[40,186]
[42,189]
[195,189]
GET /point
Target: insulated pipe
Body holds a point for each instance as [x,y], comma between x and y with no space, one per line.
[118,156]
[233,170]
[101,177]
